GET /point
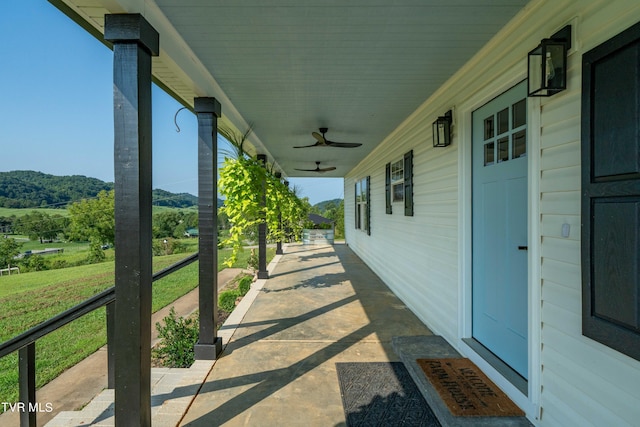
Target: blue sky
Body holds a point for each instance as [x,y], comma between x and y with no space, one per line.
[56,107]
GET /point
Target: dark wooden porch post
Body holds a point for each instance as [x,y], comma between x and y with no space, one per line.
[134,43]
[279,244]
[208,110]
[27,383]
[262,229]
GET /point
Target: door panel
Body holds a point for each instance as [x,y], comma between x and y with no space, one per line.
[500,314]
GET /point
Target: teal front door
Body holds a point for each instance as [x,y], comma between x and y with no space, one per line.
[499,243]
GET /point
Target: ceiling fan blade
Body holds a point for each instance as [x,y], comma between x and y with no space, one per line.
[307,146]
[319,137]
[343,144]
[318,169]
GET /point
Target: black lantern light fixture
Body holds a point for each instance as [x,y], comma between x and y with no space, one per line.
[442,130]
[548,64]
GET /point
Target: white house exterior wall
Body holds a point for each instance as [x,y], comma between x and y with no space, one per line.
[574,381]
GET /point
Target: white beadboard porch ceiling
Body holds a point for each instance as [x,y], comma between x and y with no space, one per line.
[289,67]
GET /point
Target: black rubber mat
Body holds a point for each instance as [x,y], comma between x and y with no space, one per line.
[382,394]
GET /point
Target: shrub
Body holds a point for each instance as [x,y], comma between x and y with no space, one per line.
[178,336]
[96,253]
[227,300]
[59,263]
[253,261]
[35,263]
[172,246]
[244,285]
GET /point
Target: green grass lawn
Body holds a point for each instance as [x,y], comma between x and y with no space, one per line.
[30,298]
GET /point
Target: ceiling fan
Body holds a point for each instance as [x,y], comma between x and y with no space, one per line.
[323,142]
[318,169]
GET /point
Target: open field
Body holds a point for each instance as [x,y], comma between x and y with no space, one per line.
[30,298]
[18,212]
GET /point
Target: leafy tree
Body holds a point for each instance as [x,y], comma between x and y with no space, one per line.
[223,220]
[6,224]
[189,220]
[94,220]
[9,249]
[39,225]
[335,212]
[165,224]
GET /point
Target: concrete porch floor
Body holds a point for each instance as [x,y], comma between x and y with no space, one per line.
[321,305]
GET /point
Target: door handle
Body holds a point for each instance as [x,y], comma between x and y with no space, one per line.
[523,248]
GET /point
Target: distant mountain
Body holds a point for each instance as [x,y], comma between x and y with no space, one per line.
[173,200]
[29,189]
[322,206]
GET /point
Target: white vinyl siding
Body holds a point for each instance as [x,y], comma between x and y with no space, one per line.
[584,383]
[424,245]
[578,381]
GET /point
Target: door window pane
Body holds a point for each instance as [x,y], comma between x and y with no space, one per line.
[503,149]
[519,113]
[519,144]
[503,121]
[488,128]
[489,157]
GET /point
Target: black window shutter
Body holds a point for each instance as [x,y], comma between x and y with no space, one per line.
[408,183]
[611,193]
[355,205]
[387,187]
[368,213]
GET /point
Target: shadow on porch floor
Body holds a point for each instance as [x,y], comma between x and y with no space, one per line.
[322,305]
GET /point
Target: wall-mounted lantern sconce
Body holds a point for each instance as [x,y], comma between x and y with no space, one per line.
[548,64]
[442,130]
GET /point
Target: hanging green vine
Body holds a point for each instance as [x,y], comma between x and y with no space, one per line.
[242,182]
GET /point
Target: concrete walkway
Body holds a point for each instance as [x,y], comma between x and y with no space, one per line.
[322,305]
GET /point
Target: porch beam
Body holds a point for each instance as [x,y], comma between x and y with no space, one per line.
[208,110]
[134,43]
[262,228]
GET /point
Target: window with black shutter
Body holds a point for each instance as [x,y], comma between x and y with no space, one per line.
[611,193]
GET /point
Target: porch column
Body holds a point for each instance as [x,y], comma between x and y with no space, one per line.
[279,244]
[208,110]
[134,43]
[287,231]
[262,229]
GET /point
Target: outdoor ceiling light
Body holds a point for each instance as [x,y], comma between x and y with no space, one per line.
[547,64]
[442,130]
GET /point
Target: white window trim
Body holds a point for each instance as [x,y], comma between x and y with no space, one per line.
[361,206]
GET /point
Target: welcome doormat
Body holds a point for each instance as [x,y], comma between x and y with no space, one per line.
[382,394]
[467,391]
